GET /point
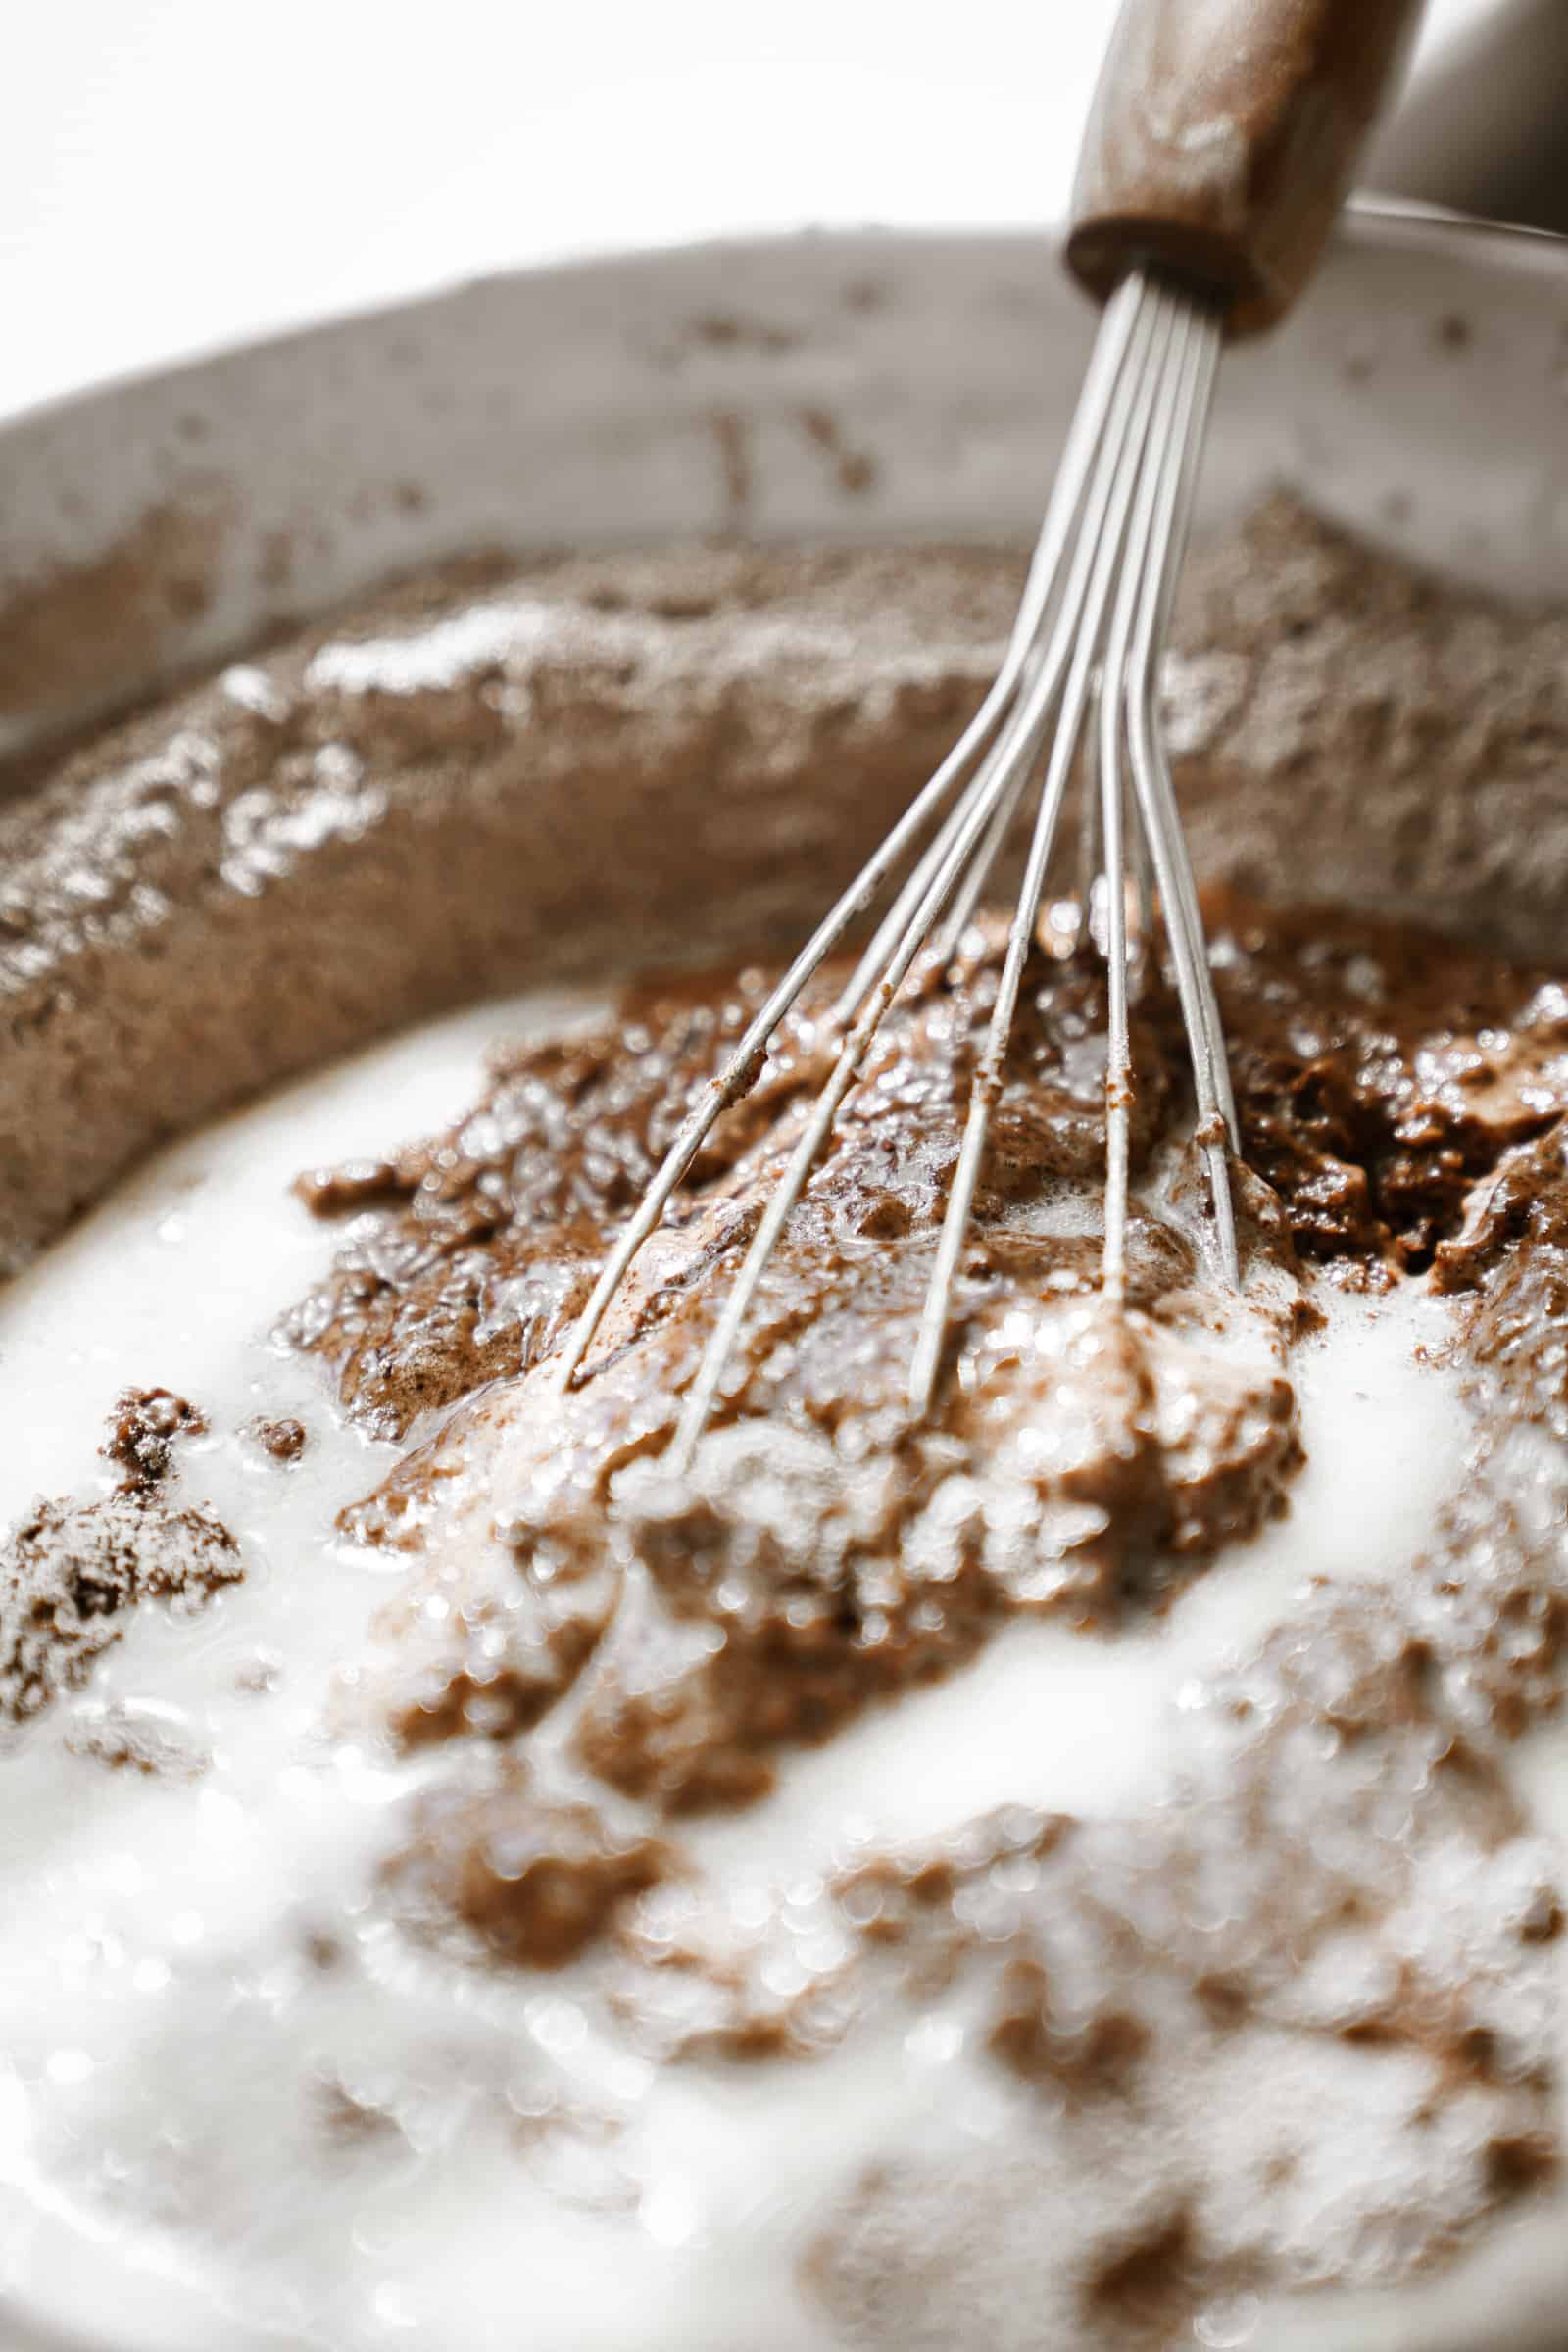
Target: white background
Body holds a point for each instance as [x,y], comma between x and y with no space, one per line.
[175,174]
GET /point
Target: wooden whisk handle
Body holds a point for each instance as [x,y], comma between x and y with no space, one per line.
[1223,138]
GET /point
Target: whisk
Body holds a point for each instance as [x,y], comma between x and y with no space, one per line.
[1223,136]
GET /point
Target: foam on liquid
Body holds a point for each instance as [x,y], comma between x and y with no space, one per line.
[164,2046]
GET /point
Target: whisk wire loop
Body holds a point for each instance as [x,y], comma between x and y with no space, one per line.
[1217,1131]
[1077,688]
[734,1081]
[1079,628]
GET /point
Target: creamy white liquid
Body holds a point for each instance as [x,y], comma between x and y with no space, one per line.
[165,2047]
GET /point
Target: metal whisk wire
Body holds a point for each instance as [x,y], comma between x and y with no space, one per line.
[1085,648]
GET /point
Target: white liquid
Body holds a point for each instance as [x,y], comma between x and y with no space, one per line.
[163,2043]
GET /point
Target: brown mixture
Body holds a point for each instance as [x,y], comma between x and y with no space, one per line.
[240,883]
[592,1663]
[1401,1104]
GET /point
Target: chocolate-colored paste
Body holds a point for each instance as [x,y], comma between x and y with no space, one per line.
[1402,1105]
[507,772]
[837,1551]
[1346,1914]
[1379,1070]
[828,1553]
[594,1666]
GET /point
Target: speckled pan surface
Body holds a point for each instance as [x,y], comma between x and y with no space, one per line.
[864,387]
[849,385]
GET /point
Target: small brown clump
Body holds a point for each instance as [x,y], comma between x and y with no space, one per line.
[357,1184]
[70,1574]
[142,1429]
[537,1880]
[286,1440]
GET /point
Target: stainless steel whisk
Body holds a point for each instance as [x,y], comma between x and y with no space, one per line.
[1223,137]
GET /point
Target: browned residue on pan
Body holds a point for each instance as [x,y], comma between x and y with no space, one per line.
[855,467]
[734,457]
